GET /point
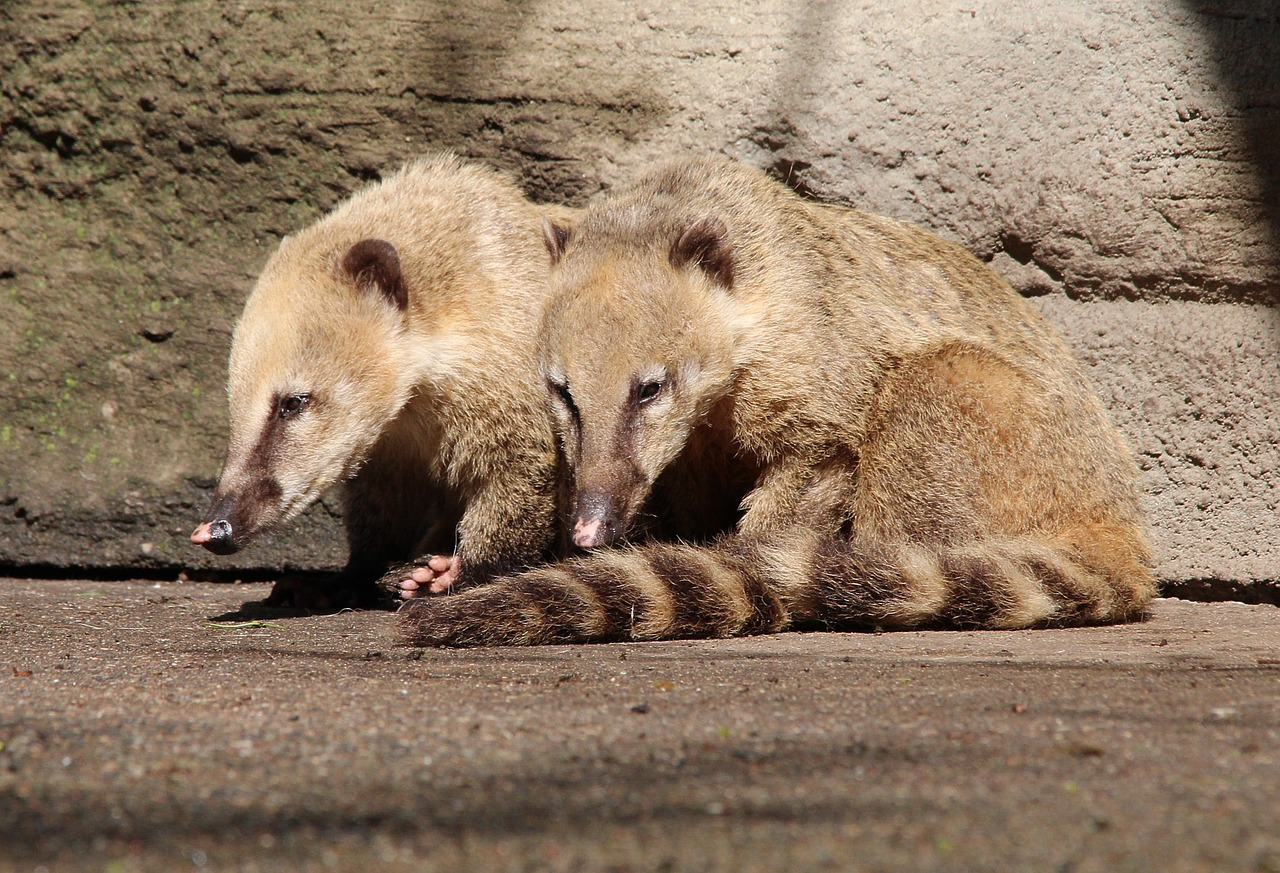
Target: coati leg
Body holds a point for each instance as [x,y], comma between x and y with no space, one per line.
[503,523]
[772,504]
[391,513]
[814,495]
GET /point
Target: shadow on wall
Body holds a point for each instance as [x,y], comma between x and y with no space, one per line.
[1246,41]
[485,72]
[814,26]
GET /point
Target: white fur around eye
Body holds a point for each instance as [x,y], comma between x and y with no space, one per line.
[655,373]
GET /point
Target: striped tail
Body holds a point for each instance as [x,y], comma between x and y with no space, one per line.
[664,591]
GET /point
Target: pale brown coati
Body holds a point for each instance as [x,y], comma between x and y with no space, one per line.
[926,451]
[391,345]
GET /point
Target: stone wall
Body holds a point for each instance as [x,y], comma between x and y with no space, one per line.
[1119,162]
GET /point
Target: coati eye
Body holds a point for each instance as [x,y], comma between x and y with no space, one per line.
[290,406]
[646,391]
[561,392]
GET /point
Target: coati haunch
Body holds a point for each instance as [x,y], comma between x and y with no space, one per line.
[925,450]
[391,345]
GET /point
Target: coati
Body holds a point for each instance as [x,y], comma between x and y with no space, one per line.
[925,451]
[391,345]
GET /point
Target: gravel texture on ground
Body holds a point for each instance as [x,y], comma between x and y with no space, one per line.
[170,726]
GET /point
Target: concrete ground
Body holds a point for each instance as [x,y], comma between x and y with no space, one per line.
[160,727]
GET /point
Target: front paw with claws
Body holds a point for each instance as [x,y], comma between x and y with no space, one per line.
[430,574]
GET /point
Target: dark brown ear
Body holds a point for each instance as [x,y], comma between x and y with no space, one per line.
[556,236]
[374,266]
[705,244]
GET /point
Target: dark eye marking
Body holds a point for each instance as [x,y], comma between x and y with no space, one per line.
[561,391]
[291,405]
[649,389]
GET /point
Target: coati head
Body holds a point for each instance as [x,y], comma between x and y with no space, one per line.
[636,348]
[314,378]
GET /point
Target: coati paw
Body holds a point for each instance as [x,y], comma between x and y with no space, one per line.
[433,574]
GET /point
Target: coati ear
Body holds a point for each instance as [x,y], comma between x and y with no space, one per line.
[556,236]
[374,266]
[705,243]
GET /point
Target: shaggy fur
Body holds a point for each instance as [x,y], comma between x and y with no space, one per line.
[391,345]
[923,450]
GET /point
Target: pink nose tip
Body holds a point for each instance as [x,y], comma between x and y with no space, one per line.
[588,534]
[217,536]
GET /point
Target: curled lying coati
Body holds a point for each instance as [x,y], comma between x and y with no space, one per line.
[391,345]
[925,450]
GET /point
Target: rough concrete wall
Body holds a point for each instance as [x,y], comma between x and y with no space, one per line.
[1110,158]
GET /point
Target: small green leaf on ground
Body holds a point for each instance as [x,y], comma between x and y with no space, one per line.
[242,625]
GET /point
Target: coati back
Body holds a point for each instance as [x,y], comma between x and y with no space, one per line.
[925,450]
[391,345]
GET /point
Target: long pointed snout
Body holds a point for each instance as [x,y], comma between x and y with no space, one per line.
[232,520]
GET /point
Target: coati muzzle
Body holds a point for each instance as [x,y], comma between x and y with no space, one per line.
[233,519]
[596,520]
[216,536]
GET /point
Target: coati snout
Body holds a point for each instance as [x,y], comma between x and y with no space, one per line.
[614,466]
[235,518]
[215,536]
[596,519]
